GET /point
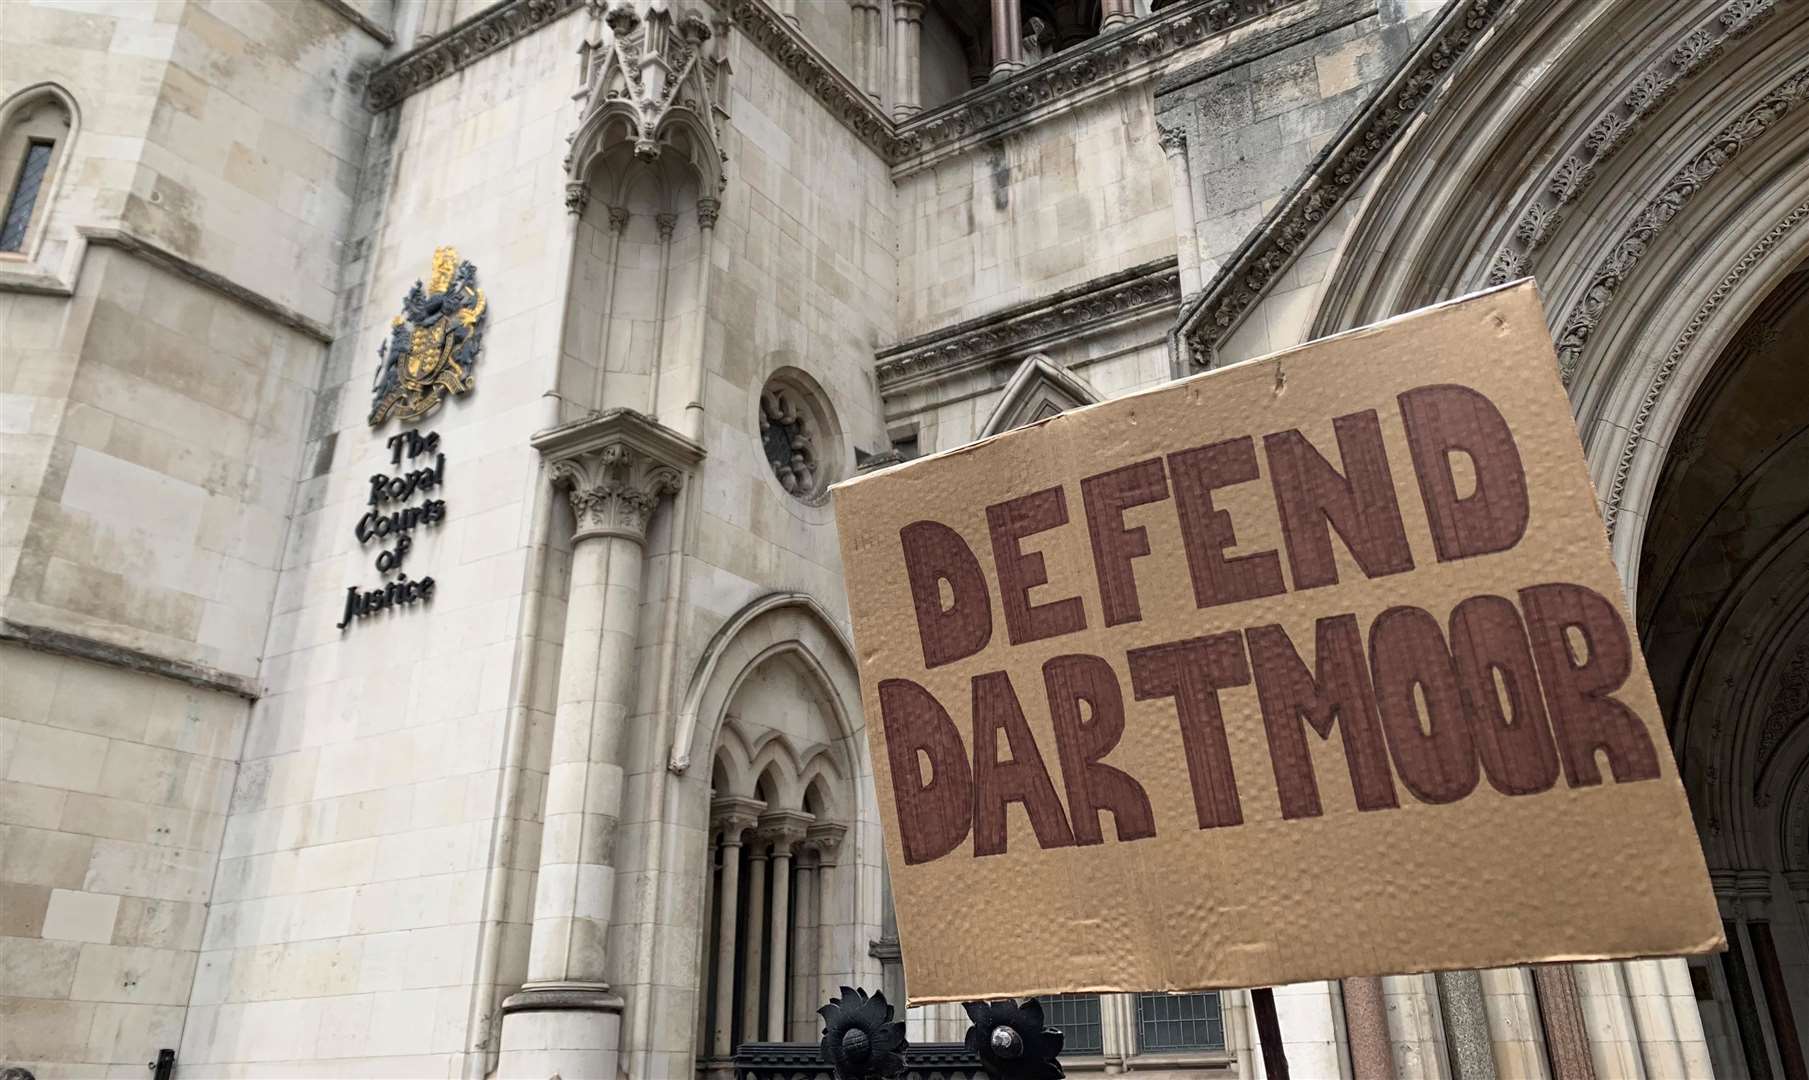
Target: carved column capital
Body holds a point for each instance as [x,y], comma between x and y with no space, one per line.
[1172,140]
[618,219]
[707,209]
[783,829]
[826,838]
[666,223]
[615,467]
[732,815]
[577,197]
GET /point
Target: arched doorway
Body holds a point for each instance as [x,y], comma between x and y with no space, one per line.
[1724,616]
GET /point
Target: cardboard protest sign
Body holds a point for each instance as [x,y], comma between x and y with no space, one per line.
[1312,667]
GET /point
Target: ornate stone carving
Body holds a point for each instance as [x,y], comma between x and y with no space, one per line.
[1789,705]
[732,815]
[1624,255]
[433,344]
[1579,165]
[577,197]
[1172,140]
[489,31]
[615,467]
[707,210]
[783,829]
[789,442]
[826,838]
[1685,340]
[1151,287]
[1211,316]
[648,72]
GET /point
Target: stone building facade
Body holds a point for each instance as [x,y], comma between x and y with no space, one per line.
[303,776]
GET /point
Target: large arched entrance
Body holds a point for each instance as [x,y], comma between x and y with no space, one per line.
[1724,616]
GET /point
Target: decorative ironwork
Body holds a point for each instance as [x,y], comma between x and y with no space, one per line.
[1012,1041]
[860,1038]
[433,344]
[790,444]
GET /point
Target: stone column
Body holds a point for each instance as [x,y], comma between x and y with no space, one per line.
[826,837]
[615,467]
[1007,39]
[1561,1014]
[1366,1029]
[756,938]
[869,47]
[1187,242]
[1117,13]
[1466,1023]
[782,829]
[801,981]
[907,74]
[732,817]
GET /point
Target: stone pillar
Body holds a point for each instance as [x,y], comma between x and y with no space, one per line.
[782,829]
[1467,1041]
[1187,242]
[436,19]
[1366,1029]
[869,47]
[826,837]
[751,984]
[1561,1014]
[907,68]
[615,467]
[1117,13]
[732,817]
[800,1021]
[1007,39]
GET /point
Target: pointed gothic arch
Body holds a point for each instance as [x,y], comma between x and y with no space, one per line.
[1038,389]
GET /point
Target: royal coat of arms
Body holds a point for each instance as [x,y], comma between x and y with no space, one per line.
[433,344]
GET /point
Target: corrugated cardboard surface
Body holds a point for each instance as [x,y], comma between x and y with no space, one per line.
[1443,879]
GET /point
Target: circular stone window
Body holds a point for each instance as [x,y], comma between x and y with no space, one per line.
[798,435]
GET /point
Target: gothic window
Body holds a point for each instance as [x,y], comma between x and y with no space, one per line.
[798,435]
[1167,1023]
[34,136]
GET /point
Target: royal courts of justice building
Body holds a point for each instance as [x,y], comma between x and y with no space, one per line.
[425,648]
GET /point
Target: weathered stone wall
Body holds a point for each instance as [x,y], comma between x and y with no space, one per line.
[357,859]
[158,378]
[114,788]
[1256,114]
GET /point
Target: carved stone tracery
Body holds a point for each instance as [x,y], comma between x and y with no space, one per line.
[790,444]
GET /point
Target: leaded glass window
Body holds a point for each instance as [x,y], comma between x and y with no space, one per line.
[1178,1022]
[25,195]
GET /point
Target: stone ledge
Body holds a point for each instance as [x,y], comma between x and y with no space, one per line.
[1137,290]
[207,279]
[80,646]
[490,30]
[361,21]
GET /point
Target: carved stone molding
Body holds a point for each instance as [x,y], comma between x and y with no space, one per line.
[826,838]
[1151,287]
[1577,166]
[615,467]
[489,31]
[929,136]
[783,829]
[1211,316]
[779,39]
[1686,339]
[1614,268]
[732,815]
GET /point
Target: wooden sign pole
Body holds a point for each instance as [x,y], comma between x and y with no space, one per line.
[1268,1033]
